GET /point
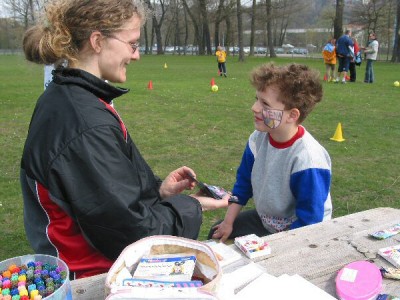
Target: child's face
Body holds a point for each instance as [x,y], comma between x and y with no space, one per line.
[268,111]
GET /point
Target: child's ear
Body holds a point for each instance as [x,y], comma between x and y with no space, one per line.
[294,115]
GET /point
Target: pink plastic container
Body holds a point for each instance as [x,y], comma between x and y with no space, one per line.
[359,280]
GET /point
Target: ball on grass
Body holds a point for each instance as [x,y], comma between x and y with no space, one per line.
[396,83]
[214,88]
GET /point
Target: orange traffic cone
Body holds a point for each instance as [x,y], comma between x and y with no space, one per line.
[338,136]
[150,85]
[325,78]
[212,82]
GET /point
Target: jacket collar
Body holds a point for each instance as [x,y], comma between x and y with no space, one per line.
[88,81]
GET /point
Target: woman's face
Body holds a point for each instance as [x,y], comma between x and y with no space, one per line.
[118,51]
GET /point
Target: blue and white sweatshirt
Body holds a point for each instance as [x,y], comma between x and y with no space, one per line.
[289,182]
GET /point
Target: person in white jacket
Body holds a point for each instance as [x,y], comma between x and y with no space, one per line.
[371,52]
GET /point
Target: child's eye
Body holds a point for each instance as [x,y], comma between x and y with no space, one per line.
[264,104]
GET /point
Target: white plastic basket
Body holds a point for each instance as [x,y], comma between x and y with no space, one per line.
[164,244]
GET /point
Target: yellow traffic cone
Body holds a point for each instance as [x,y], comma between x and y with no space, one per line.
[165,66]
[338,136]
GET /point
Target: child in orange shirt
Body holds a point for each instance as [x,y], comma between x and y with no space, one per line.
[329,56]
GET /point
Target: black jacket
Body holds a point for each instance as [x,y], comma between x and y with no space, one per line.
[88,192]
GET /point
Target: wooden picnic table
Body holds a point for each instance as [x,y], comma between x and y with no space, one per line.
[316,252]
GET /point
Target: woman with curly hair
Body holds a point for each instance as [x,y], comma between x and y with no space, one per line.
[88,192]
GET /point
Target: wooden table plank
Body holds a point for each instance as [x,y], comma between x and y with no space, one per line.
[91,288]
[316,252]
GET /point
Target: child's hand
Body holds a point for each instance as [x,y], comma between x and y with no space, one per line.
[208,203]
[222,231]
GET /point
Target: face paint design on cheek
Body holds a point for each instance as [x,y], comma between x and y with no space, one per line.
[272,117]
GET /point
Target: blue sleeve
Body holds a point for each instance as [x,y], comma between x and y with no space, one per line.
[242,187]
[310,188]
[350,42]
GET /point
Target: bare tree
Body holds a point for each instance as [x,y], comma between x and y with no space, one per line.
[328,18]
[269,28]
[230,31]
[177,25]
[390,19]
[10,34]
[253,26]
[338,24]
[205,41]
[282,13]
[218,20]
[186,29]
[396,46]
[147,48]
[240,29]
[197,36]
[24,10]
[157,23]
[370,13]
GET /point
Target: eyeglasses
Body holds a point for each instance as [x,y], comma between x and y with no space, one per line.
[134,46]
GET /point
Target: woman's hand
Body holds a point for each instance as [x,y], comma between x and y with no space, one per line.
[177,181]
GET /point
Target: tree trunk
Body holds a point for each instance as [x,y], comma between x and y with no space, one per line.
[157,31]
[228,38]
[177,29]
[269,29]
[195,24]
[253,27]
[206,40]
[32,11]
[338,23]
[157,25]
[186,30]
[218,19]
[240,29]
[147,49]
[396,46]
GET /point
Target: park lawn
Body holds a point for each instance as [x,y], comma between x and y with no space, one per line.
[181,122]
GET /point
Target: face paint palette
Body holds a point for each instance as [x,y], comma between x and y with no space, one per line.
[359,280]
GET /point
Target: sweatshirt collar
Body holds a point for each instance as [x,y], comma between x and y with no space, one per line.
[299,134]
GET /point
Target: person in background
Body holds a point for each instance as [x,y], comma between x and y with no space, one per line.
[329,56]
[343,51]
[283,168]
[221,59]
[371,52]
[352,66]
[88,192]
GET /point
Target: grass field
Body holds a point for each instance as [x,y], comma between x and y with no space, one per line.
[181,122]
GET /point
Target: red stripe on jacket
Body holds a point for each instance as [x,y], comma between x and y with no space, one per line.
[114,112]
[67,238]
